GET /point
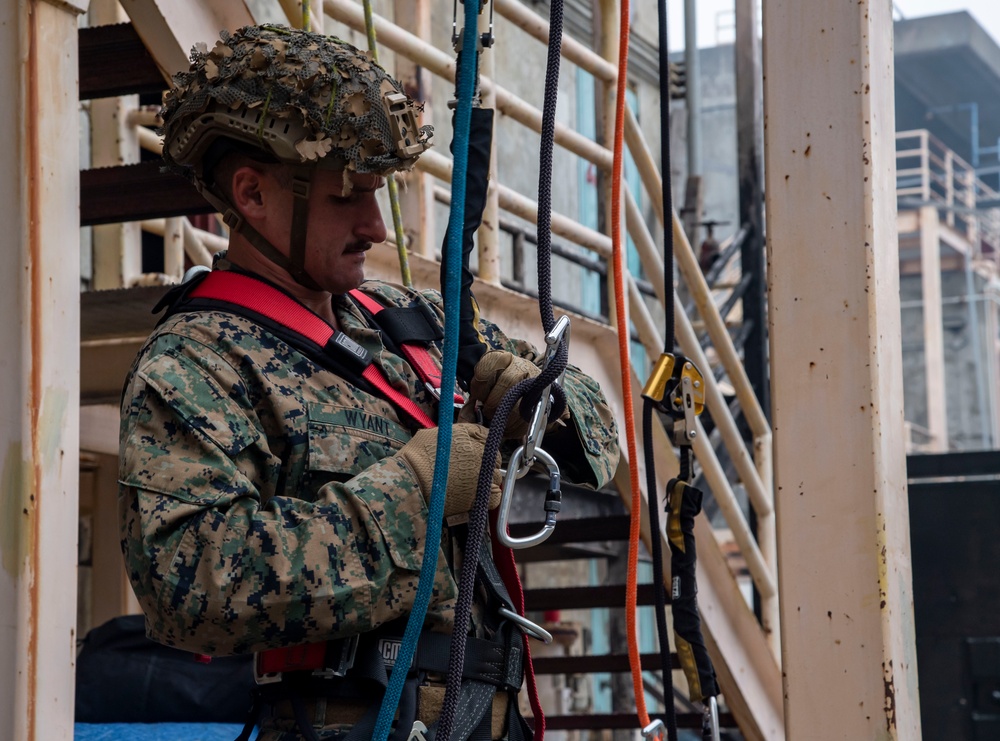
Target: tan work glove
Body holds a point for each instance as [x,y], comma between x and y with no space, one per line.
[495,374]
[467,447]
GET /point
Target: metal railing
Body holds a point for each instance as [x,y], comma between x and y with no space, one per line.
[929,173]
[755,470]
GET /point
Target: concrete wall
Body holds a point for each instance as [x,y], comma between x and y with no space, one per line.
[718,138]
[967,359]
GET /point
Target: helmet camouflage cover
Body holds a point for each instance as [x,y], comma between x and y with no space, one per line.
[300,97]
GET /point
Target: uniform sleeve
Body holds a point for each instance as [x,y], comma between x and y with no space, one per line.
[221,568]
[587,448]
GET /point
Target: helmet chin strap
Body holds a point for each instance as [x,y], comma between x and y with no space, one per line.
[294,262]
[302,178]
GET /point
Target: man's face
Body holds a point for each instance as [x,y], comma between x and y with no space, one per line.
[342,228]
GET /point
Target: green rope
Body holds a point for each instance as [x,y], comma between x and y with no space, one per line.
[397,216]
[333,97]
[263,117]
[305,15]
[397,223]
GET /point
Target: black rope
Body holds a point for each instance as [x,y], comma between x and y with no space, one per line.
[528,392]
[659,589]
[478,519]
[544,226]
[668,204]
[548,132]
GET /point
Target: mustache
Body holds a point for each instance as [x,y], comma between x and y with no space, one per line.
[359,246]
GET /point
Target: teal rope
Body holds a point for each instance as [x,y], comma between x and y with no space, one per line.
[465,88]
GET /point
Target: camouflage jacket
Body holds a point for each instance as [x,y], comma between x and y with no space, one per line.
[260,501]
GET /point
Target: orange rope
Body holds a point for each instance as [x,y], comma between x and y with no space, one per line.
[626,368]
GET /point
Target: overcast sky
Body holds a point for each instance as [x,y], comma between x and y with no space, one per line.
[716,19]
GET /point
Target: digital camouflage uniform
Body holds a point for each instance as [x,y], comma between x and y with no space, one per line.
[260,502]
[262,505]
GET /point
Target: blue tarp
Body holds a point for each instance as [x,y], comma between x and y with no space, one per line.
[156,731]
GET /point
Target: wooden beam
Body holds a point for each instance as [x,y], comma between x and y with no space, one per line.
[39,407]
[170,28]
[114,61]
[136,192]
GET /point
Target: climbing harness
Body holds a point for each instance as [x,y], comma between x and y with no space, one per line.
[287,675]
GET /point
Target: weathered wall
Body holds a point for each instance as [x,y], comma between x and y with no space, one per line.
[970,425]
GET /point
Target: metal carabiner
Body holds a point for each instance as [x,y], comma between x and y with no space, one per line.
[540,416]
[655,730]
[511,475]
[532,629]
[710,721]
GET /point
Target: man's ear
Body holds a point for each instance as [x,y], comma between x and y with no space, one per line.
[248,189]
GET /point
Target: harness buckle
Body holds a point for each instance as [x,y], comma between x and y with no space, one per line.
[344,662]
[323,660]
[457,401]
[417,733]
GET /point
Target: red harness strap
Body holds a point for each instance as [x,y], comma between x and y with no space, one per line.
[417,355]
[264,299]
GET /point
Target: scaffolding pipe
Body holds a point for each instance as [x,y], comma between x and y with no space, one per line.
[488,234]
[574,51]
[173,247]
[403,42]
[692,96]
[513,202]
[198,244]
[716,403]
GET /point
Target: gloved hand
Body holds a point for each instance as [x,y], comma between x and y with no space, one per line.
[496,373]
[467,447]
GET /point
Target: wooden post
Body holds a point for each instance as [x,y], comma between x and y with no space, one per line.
[40,365]
[848,645]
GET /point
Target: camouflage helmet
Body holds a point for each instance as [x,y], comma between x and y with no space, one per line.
[290,97]
[300,97]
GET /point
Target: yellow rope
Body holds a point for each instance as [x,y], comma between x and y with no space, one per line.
[397,217]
